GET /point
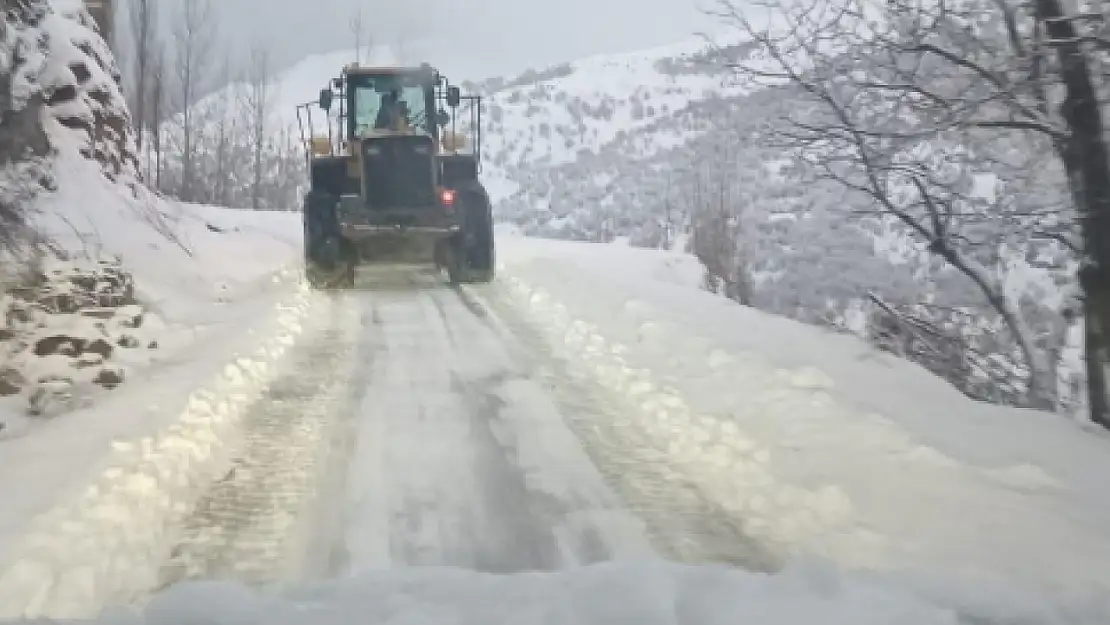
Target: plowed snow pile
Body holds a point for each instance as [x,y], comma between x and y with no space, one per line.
[648,592]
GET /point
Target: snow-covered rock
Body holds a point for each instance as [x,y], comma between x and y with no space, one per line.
[81,83]
[72,201]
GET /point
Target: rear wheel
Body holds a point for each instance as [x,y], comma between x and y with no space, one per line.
[329,258]
[483,277]
[454,260]
[478,253]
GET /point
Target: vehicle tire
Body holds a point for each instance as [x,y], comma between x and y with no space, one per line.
[484,276]
[325,262]
[349,266]
[458,270]
[342,276]
[480,253]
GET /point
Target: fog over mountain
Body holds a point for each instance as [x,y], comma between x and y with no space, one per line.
[468,38]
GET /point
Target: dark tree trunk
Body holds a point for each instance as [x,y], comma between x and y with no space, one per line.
[1088,165]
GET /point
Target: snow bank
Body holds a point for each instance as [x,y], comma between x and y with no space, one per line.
[208,280]
[184,257]
[713,453]
[818,444]
[88,500]
[191,271]
[108,541]
[639,592]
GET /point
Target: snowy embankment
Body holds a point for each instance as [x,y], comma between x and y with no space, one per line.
[636,592]
[180,312]
[820,445]
[110,532]
[144,279]
[221,294]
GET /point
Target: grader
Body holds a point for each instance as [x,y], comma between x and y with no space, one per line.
[394,180]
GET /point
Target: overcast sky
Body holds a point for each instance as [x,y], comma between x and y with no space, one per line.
[468,38]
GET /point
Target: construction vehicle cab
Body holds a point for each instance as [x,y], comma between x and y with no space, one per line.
[393,180]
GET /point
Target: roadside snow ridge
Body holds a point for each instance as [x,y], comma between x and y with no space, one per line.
[100,548]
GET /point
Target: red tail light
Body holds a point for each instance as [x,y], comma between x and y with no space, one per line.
[447,197]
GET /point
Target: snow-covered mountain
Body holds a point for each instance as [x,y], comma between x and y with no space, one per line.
[658,146]
[632,106]
[631,146]
[649,146]
[559,115]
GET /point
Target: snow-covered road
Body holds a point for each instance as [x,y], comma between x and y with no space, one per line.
[413,447]
[416,428]
[462,455]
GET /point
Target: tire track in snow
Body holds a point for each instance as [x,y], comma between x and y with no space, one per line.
[323,552]
[463,458]
[433,426]
[684,523]
[582,525]
[248,527]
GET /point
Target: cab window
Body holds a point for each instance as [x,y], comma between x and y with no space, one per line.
[386,101]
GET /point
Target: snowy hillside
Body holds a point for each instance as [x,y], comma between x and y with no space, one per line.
[108,277]
[245,139]
[662,148]
[548,118]
[573,113]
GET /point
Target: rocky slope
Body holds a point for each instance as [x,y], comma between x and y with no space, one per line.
[97,273]
[61,92]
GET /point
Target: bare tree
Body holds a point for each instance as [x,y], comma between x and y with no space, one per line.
[719,226]
[719,214]
[668,235]
[357,31]
[194,36]
[909,103]
[157,112]
[399,47]
[144,24]
[257,109]
[223,119]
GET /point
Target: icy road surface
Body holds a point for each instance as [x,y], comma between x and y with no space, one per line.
[462,456]
[421,425]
